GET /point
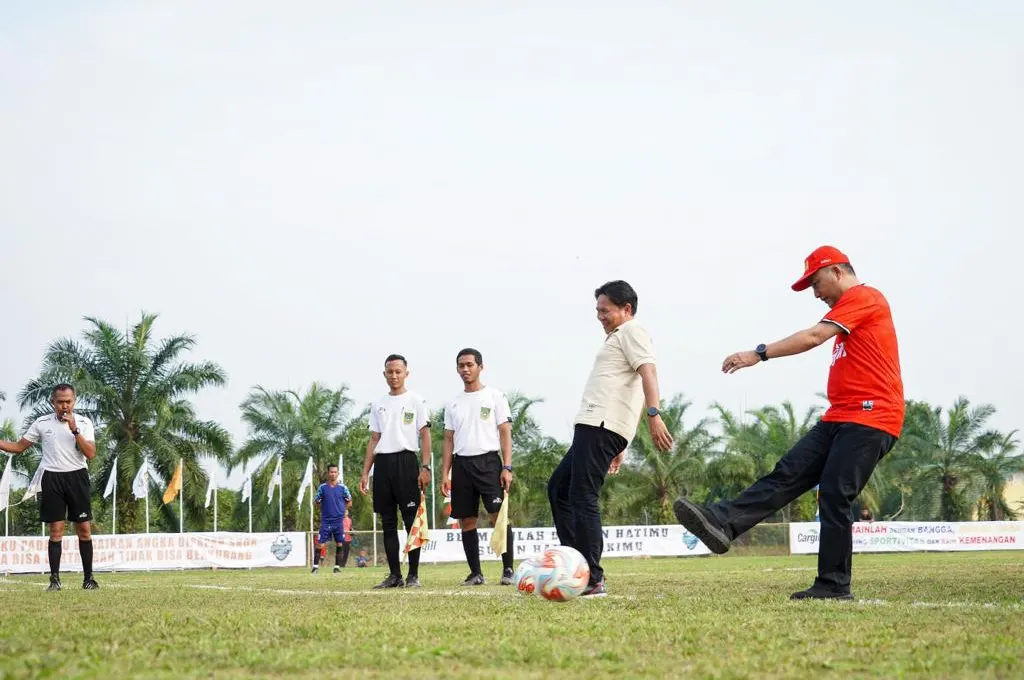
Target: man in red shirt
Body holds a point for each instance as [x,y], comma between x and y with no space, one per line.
[865,391]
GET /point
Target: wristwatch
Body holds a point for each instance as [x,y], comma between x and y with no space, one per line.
[426,467]
[762,351]
[652,411]
[507,467]
[75,431]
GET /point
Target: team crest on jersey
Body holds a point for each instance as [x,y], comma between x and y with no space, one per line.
[407,417]
[485,412]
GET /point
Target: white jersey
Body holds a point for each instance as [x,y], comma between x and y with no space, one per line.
[398,420]
[60,454]
[474,417]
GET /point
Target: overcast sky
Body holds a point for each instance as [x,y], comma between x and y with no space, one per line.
[309,187]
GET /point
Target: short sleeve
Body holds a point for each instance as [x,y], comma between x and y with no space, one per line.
[345,493]
[449,419]
[422,415]
[34,434]
[374,421]
[855,307]
[87,430]
[636,346]
[502,411]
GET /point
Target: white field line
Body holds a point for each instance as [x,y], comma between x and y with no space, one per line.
[390,592]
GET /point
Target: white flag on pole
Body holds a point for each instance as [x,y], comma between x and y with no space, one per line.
[307,479]
[275,481]
[247,488]
[140,485]
[36,485]
[5,485]
[111,480]
[211,488]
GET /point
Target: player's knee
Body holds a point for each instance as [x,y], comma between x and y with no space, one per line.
[389,521]
[56,531]
[84,530]
[468,524]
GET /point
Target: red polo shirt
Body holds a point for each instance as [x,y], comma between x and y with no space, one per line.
[865,385]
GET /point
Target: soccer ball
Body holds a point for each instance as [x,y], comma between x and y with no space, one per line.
[525,579]
[561,573]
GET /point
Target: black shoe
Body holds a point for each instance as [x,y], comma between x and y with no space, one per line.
[474,580]
[506,578]
[54,583]
[392,581]
[814,593]
[90,584]
[337,569]
[595,590]
[316,568]
[701,524]
[412,582]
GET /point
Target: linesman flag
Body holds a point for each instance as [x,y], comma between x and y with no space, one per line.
[419,534]
[499,535]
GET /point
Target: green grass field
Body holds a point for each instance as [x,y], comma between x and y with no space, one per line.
[934,615]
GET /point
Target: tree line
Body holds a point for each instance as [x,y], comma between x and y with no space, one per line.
[947,465]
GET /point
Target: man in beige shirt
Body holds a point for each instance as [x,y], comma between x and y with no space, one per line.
[622,384]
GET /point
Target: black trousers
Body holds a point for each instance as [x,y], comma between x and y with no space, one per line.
[574,491]
[840,458]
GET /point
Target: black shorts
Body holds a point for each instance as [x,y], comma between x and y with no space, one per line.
[476,478]
[65,496]
[396,482]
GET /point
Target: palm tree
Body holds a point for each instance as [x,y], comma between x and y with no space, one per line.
[291,426]
[653,479]
[938,460]
[996,465]
[135,390]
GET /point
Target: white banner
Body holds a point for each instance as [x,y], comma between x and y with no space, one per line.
[915,536]
[620,541]
[141,552]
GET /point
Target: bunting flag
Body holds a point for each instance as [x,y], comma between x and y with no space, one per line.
[275,481]
[211,488]
[247,488]
[140,485]
[307,480]
[499,535]
[175,486]
[419,534]
[111,480]
[5,485]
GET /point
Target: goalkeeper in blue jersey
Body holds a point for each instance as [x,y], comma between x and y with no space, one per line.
[334,500]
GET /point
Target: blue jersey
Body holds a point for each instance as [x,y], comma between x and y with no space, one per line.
[332,500]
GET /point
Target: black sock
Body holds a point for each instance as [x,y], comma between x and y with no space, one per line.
[471,544]
[339,554]
[391,549]
[414,562]
[85,549]
[344,554]
[506,557]
[54,552]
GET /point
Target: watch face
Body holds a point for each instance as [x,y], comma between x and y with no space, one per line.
[651,411]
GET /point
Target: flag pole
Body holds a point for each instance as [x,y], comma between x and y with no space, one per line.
[147,506]
[250,507]
[215,510]
[311,504]
[115,505]
[181,498]
[280,503]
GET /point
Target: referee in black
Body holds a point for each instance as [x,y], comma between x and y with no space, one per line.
[68,442]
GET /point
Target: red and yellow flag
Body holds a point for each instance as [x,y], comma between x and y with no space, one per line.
[419,534]
[175,486]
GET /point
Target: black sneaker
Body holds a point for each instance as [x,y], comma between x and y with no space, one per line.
[701,524]
[337,569]
[316,568]
[595,590]
[412,582]
[814,593]
[90,584]
[392,581]
[506,578]
[54,583]
[474,580]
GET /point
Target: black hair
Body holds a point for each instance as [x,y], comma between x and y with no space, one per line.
[469,351]
[61,388]
[396,357]
[332,465]
[847,267]
[620,293]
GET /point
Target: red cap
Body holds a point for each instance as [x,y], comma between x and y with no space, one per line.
[825,256]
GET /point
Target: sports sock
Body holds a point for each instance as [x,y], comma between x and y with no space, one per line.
[85,549]
[471,544]
[53,550]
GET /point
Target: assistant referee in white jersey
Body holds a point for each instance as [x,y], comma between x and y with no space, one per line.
[399,452]
[478,453]
[68,441]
